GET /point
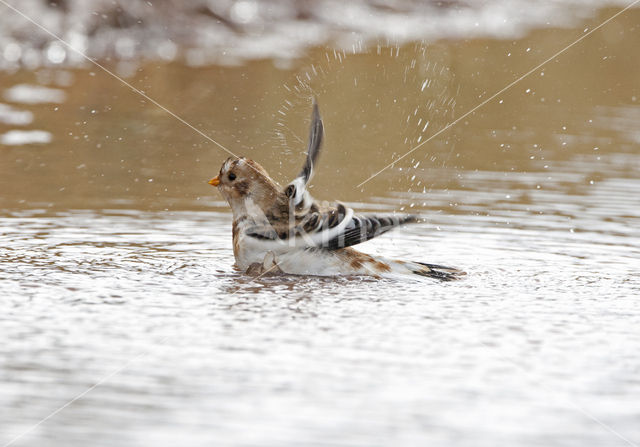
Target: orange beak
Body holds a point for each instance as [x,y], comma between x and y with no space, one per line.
[215,181]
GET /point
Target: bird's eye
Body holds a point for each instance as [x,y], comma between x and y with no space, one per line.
[232,176]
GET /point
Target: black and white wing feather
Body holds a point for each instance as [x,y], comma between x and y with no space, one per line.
[363,228]
[335,228]
[297,189]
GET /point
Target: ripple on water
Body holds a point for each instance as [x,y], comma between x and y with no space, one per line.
[535,327]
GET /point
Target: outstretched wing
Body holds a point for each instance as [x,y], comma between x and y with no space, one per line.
[363,228]
[331,229]
[297,189]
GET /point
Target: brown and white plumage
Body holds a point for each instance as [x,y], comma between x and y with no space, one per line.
[286,230]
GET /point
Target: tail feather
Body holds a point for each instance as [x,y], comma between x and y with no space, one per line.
[436,271]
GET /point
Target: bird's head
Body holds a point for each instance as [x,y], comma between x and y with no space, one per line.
[241,179]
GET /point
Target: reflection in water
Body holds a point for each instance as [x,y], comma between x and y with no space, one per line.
[15,117]
[34,94]
[113,246]
[18,137]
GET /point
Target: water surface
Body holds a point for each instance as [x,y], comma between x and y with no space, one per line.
[116,260]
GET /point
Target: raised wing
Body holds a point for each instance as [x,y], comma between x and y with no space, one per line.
[332,229]
[297,189]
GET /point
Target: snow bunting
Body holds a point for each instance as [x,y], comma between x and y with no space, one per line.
[285,230]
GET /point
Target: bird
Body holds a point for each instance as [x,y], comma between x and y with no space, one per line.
[279,230]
